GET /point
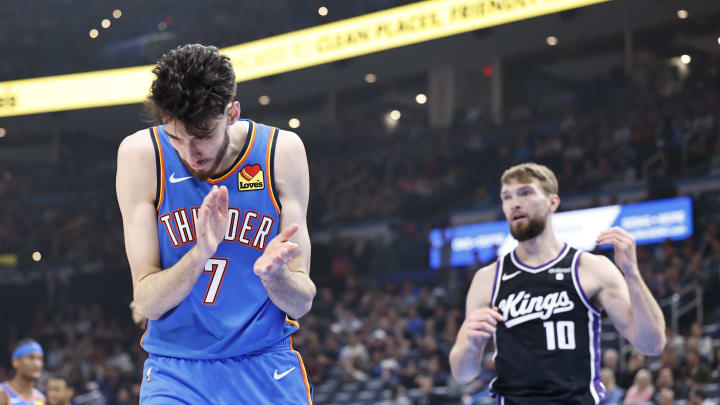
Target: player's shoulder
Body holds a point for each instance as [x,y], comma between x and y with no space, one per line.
[485,275]
[139,142]
[594,261]
[137,151]
[598,268]
[289,142]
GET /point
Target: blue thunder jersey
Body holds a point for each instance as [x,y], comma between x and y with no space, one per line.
[14,398]
[228,312]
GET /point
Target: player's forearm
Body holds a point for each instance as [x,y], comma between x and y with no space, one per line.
[648,319]
[465,361]
[291,291]
[159,292]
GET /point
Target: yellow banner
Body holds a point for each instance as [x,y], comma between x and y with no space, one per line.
[400,26]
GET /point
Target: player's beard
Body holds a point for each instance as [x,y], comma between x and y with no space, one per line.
[523,231]
[206,174]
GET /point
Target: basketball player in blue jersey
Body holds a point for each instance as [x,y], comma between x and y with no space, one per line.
[213,210]
[541,304]
[27,360]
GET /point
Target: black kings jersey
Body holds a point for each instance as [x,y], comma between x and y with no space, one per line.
[547,348]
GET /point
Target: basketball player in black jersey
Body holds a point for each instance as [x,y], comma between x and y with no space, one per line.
[541,303]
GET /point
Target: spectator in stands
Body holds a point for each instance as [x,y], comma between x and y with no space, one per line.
[614,393]
[610,360]
[701,341]
[354,359]
[427,397]
[699,397]
[59,391]
[695,370]
[626,377]
[642,389]
[666,396]
[666,379]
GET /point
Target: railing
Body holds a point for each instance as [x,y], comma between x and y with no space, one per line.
[677,311]
[693,294]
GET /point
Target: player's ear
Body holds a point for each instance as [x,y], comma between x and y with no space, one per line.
[554,202]
[233,111]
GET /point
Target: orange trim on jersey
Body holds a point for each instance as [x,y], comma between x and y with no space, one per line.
[273,133]
[162,169]
[10,387]
[304,373]
[241,161]
[293,323]
[147,326]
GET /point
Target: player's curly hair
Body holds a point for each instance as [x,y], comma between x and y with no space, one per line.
[193,84]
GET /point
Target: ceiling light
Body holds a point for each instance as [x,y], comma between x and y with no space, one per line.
[551,40]
[105,23]
[294,123]
[264,100]
[685,59]
[117,14]
[682,14]
[395,115]
[421,98]
[323,11]
[370,78]
[36,256]
[94,33]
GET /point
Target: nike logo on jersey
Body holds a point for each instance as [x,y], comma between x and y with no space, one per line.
[521,307]
[506,277]
[281,375]
[173,179]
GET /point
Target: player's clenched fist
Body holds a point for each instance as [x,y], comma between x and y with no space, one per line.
[277,254]
[481,324]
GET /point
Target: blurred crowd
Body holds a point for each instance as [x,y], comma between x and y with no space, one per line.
[609,134]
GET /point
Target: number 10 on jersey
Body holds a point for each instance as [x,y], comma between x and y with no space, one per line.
[560,335]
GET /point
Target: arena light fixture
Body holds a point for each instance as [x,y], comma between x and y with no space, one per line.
[294,123]
[312,46]
[94,33]
[323,11]
[36,256]
[551,40]
[395,115]
[264,100]
[117,13]
[421,98]
[682,14]
[105,23]
[685,59]
[370,78]
[3,132]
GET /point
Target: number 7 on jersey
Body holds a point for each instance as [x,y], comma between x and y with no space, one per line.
[216,266]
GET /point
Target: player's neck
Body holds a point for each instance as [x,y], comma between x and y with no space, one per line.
[238,134]
[540,249]
[23,386]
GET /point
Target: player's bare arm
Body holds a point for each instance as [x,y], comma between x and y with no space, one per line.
[3,397]
[155,291]
[284,267]
[477,328]
[627,300]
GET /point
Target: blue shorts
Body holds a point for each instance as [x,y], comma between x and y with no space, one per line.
[275,376]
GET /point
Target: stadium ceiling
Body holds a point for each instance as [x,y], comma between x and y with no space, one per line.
[473,46]
[392,28]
